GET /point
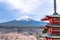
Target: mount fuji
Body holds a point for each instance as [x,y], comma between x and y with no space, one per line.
[25,21]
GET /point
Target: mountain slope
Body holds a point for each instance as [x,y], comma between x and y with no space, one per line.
[27,21]
[23,23]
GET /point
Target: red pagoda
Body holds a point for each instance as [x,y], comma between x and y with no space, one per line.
[53,27]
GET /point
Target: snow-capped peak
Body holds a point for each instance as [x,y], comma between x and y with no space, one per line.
[26,18]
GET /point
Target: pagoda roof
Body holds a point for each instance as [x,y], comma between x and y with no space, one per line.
[50,36]
[54,15]
[53,25]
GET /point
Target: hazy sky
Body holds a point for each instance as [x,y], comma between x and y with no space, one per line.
[35,9]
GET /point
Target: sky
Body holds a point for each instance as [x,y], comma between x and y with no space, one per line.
[35,9]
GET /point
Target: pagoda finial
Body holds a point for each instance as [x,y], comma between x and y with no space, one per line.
[55,13]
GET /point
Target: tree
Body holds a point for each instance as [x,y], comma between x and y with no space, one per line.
[45,30]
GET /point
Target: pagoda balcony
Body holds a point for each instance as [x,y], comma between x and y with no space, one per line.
[53,31]
[53,28]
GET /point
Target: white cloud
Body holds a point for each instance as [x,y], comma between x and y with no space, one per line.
[34,8]
[58,6]
[25,5]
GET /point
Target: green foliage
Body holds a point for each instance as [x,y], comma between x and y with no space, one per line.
[45,30]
